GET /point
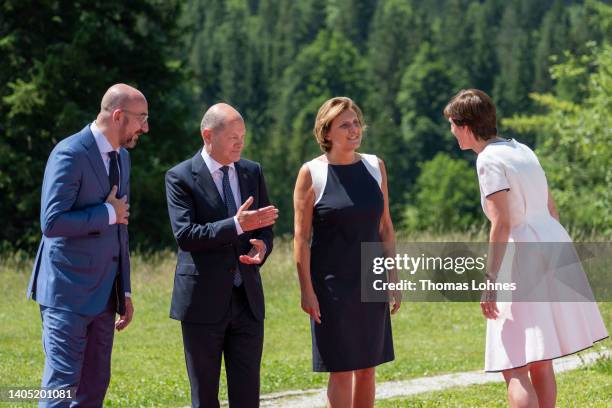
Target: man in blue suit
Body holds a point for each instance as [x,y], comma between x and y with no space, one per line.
[81,274]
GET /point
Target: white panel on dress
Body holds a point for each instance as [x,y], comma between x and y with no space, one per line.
[318,173]
[373,165]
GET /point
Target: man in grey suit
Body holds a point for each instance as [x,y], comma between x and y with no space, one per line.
[81,274]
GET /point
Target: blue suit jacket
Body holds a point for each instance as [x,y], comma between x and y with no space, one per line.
[81,260]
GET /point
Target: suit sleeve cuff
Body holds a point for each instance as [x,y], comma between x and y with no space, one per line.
[112,217]
[238,227]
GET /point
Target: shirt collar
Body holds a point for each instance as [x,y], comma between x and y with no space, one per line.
[211,163]
[101,140]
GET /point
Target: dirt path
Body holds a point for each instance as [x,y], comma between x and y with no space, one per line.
[395,389]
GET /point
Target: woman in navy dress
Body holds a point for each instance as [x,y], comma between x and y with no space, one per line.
[340,201]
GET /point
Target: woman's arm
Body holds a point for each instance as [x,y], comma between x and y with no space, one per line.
[499,214]
[303,204]
[387,236]
[551,206]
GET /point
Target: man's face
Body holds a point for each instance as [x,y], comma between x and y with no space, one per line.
[226,143]
[134,122]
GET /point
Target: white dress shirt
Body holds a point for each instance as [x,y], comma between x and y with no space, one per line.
[217,175]
[105,147]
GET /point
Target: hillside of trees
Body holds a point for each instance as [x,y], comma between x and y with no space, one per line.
[546,63]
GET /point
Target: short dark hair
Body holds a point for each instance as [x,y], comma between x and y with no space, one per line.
[473,108]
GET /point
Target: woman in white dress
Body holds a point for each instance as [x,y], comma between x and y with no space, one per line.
[522,337]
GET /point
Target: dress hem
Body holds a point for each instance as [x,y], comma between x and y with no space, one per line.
[326,370]
[546,359]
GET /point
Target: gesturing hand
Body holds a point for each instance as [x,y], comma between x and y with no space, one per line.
[121,206]
[254,219]
[257,253]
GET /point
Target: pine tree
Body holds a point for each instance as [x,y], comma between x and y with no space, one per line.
[58,60]
[427,85]
[512,83]
[553,36]
[482,63]
[352,18]
[330,66]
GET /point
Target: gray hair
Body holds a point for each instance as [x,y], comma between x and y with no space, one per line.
[217,116]
[212,119]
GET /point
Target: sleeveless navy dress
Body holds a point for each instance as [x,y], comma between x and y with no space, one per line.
[352,335]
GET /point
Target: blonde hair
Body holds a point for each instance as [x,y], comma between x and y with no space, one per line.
[329,111]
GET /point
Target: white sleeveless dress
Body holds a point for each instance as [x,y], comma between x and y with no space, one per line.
[526,332]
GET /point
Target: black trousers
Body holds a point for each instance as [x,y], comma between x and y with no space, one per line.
[239,338]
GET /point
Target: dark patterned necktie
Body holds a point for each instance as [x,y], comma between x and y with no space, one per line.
[113,178]
[230,205]
[113,170]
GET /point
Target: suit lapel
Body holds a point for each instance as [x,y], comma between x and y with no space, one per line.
[95,158]
[205,181]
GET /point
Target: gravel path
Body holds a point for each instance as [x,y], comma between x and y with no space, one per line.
[394,389]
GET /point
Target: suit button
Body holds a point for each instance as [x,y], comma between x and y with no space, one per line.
[115,259]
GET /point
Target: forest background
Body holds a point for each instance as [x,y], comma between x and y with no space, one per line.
[546,63]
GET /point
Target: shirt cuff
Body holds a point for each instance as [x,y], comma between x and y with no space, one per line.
[238,227]
[128,295]
[112,217]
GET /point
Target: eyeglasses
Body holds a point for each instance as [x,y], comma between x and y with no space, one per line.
[144,117]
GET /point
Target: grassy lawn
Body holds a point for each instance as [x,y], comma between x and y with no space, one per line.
[148,363]
[585,387]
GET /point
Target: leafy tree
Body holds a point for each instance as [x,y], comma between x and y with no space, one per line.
[351,18]
[512,84]
[453,38]
[427,85]
[481,64]
[576,143]
[277,61]
[222,53]
[446,197]
[58,59]
[328,67]
[282,29]
[201,21]
[396,33]
[553,38]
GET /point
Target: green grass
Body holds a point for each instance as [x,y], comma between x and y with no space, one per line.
[584,387]
[148,367]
